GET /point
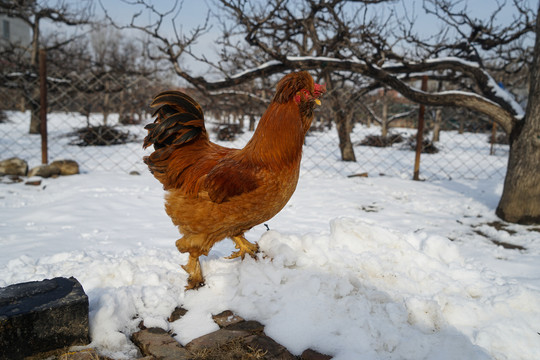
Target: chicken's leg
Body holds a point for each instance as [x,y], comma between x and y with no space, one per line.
[193,268]
[243,247]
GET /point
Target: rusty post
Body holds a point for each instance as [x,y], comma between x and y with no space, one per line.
[43,105]
[420,133]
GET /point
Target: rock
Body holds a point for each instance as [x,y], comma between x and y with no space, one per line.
[314,355]
[158,343]
[226,318]
[252,326]
[45,171]
[216,339]
[13,166]
[36,182]
[134,172]
[267,345]
[41,316]
[67,167]
[177,314]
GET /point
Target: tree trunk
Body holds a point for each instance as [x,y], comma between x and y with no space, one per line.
[106,103]
[437,125]
[251,122]
[520,200]
[343,127]
[343,122]
[384,118]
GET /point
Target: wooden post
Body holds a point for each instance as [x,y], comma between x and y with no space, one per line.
[420,133]
[43,104]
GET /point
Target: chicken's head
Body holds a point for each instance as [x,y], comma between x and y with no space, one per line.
[305,95]
[300,88]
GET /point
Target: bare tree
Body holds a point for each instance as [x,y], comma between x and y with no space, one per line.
[35,13]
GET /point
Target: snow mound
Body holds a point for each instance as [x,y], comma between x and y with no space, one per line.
[358,291]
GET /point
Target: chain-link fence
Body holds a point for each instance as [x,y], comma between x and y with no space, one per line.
[98,121]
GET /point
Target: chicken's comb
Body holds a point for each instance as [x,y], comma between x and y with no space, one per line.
[319,90]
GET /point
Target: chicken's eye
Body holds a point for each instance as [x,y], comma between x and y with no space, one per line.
[302,95]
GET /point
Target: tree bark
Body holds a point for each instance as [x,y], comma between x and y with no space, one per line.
[343,126]
[384,118]
[520,200]
[437,125]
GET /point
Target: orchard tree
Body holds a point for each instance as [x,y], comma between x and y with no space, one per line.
[35,13]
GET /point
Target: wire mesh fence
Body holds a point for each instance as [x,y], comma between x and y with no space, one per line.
[98,122]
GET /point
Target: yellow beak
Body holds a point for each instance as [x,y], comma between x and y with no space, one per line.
[318,102]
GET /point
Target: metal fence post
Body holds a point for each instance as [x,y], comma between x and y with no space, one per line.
[43,105]
[420,133]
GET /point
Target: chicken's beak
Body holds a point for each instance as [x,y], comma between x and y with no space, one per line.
[318,102]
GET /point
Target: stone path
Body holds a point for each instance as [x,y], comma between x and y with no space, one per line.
[236,339]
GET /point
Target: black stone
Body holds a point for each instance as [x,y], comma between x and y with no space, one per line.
[41,316]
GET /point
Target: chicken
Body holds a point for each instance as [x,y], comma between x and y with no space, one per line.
[214,192]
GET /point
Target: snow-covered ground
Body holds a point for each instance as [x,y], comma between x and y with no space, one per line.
[359,268]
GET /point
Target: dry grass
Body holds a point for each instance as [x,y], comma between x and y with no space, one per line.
[233,350]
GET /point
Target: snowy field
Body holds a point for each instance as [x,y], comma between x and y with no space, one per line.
[460,156]
[359,268]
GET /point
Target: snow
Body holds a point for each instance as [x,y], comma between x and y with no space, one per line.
[359,268]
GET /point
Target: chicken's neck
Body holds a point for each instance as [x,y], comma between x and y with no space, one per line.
[278,139]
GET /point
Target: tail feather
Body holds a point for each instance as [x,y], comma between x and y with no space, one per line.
[179,121]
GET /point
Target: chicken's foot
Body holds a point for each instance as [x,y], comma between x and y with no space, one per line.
[243,247]
[193,268]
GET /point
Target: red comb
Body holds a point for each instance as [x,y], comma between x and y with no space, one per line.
[320,89]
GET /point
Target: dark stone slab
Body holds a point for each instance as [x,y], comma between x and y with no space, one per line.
[216,339]
[250,325]
[159,344]
[310,354]
[41,316]
[177,314]
[269,346]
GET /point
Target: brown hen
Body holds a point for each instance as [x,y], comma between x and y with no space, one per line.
[214,192]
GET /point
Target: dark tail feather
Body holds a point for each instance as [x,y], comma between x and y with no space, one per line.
[179,120]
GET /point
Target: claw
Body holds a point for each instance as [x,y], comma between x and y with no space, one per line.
[244,247]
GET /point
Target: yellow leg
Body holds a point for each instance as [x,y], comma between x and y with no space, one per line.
[243,247]
[193,268]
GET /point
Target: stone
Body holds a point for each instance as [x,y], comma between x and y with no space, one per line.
[67,167]
[44,171]
[13,166]
[310,354]
[226,318]
[158,343]
[269,346]
[177,314]
[41,316]
[36,182]
[216,339]
[250,325]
